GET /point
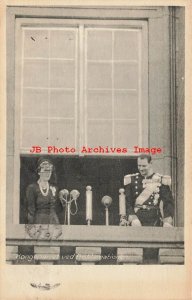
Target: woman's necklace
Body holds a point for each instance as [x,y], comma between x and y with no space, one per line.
[46,188]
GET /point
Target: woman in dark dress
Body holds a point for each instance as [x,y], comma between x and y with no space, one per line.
[42,197]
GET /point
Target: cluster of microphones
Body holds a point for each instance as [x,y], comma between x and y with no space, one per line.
[67,198]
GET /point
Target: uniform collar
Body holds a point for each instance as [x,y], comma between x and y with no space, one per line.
[147,177]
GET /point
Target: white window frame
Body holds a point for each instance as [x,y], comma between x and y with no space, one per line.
[80,111]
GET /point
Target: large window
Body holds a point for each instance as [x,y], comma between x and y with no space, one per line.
[81,83]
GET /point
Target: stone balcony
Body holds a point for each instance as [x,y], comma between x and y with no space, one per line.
[81,244]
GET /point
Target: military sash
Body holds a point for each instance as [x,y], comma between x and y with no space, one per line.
[150,188]
[146,193]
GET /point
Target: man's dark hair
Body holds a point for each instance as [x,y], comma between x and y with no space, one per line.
[147,156]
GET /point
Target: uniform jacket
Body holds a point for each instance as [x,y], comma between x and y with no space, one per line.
[42,209]
[135,185]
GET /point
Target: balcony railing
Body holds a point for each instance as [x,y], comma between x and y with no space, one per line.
[74,244]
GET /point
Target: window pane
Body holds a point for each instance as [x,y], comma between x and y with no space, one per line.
[62,74]
[62,103]
[99,45]
[36,43]
[35,73]
[126,105]
[62,133]
[51,74]
[99,75]
[120,76]
[35,132]
[35,102]
[109,85]
[99,104]
[125,45]
[125,76]
[99,133]
[62,44]
[126,133]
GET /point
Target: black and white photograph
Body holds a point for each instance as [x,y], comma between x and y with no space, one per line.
[95,137]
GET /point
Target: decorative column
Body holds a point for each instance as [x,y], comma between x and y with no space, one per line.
[127,256]
[46,255]
[11,254]
[88,255]
[171,256]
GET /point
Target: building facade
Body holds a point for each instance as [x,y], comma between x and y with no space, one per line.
[103,78]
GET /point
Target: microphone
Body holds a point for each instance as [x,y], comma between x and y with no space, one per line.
[74,194]
[63,195]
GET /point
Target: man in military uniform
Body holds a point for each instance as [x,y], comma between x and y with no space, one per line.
[144,192]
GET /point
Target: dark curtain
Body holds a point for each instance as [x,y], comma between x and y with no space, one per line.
[103,174]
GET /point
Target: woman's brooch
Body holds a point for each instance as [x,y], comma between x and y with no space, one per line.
[53,190]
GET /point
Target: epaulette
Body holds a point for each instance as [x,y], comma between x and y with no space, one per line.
[157,177]
[127,178]
[159,174]
[166,180]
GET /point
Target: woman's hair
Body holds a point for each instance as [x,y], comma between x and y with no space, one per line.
[53,179]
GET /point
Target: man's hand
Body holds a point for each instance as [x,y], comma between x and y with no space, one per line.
[168,222]
[133,219]
[136,223]
[167,225]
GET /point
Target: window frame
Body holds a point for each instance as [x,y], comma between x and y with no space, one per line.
[80,111]
[159,85]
